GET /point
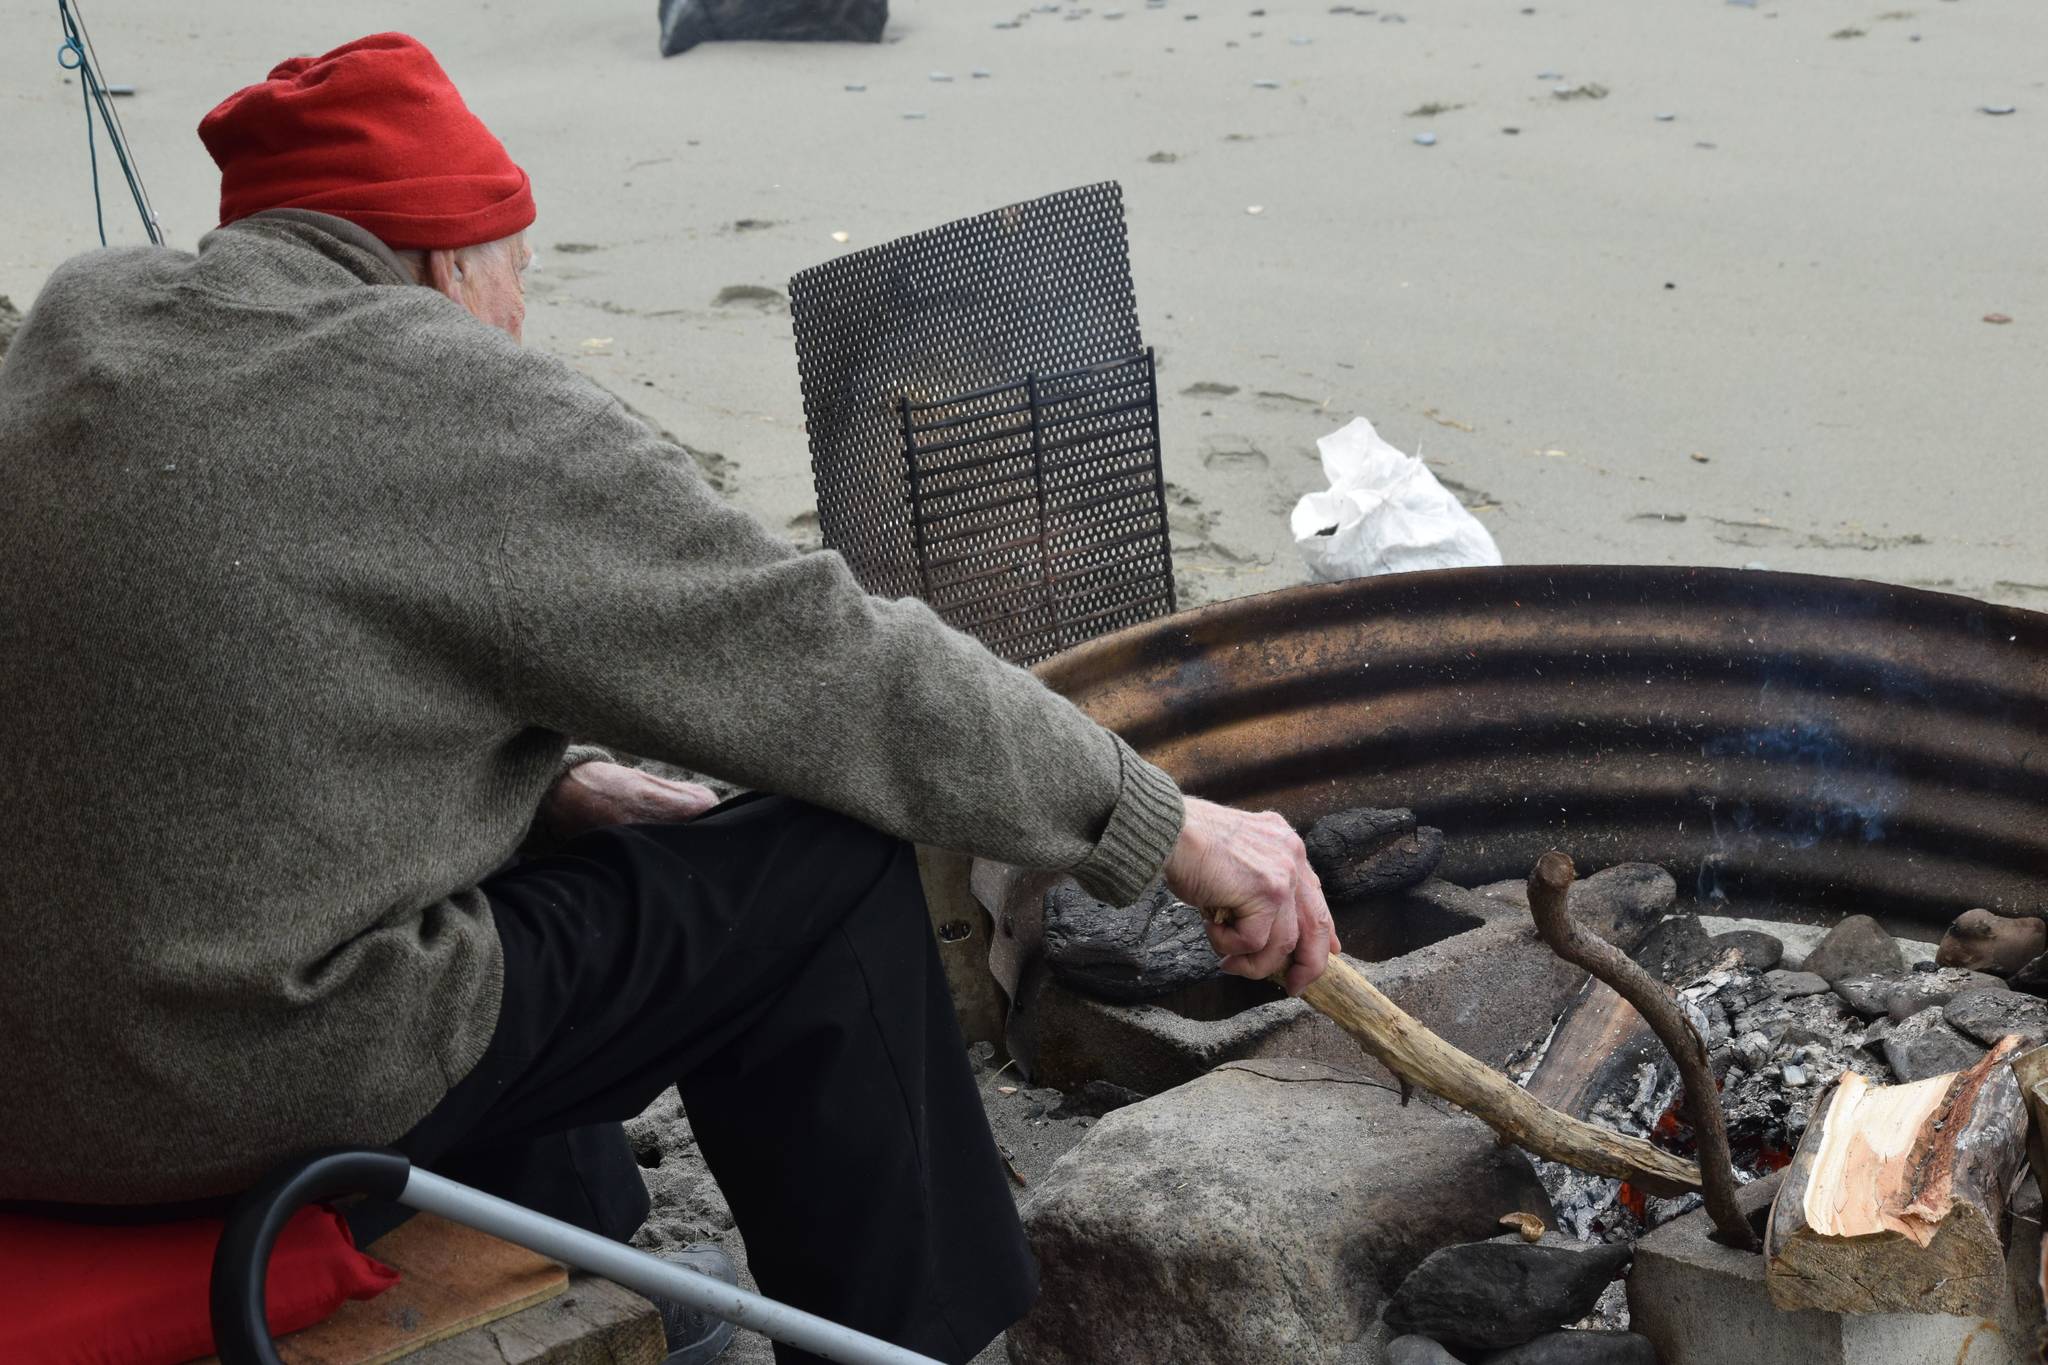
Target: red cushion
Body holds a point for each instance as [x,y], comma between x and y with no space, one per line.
[77,1294]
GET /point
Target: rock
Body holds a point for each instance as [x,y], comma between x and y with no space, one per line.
[1792,985]
[1760,951]
[1499,1293]
[686,23]
[1095,1099]
[1677,949]
[1580,1348]
[1366,852]
[1917,991]
[1858,946]
[1126,953]
[1924,1046]
[1258,1213]
[2032,978]
[1622,903]
[1414,1350]
[1985,942]
[1869,996]
[1987,1016]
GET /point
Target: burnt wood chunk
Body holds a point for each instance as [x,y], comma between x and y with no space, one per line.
[1365,852]
[1126,953]
[1895,1202]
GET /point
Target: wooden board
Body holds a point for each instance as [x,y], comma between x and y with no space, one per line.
[455,1279]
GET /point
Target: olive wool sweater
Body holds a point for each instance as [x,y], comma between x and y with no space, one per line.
[305,576]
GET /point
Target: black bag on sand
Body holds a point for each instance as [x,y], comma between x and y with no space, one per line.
[686,23]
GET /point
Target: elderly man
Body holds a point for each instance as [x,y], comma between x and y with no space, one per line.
[310,570]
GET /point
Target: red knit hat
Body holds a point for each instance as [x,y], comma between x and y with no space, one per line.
[373,132]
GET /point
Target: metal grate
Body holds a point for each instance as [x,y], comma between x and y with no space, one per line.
[1036,294]
[1037,510]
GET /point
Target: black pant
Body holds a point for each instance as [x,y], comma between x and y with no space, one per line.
[776,963]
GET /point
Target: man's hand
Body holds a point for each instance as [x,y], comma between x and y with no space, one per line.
[591,795]
[1249,875]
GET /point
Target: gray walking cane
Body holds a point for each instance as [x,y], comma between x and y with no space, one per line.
[240,1264]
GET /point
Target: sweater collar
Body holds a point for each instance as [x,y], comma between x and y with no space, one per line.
[340,241]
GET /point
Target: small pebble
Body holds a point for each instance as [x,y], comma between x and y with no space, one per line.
[1425,139]
[981,73]
[1265,85]
[1112,14]
[1998,108]
[938,76]
[1925,964]
[2000,319]
[855,89]
[1511,132]
[1550,75]
[1300,41]
[1666,118]
[1255,209]
[1698,458]
[913,113]
[841,238]
[1795,1075]
[1008,23]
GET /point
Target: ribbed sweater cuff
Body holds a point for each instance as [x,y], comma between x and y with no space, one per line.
[1142,829]
[582,753]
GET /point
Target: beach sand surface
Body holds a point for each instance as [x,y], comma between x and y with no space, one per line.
[1749,334]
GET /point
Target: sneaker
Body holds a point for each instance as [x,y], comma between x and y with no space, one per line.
[694,1336]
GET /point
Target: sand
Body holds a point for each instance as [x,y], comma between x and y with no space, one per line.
[1751,334]
[1787,278]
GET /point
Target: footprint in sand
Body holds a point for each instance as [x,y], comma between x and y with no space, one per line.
[750,296]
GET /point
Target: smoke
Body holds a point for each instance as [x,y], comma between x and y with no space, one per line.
[1849,795]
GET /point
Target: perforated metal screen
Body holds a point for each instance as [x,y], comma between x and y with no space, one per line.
[940,325]
[1037,510]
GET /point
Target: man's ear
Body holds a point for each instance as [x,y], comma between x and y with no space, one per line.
[444,275]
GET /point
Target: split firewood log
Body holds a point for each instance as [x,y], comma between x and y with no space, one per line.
[2030,1070]
[1896,1200]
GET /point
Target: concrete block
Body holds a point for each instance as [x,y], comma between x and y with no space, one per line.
[1466,966]
[1702,1303]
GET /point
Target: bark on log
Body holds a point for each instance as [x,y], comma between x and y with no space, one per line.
[1896,1201]
[1550,883]
[1420,1058]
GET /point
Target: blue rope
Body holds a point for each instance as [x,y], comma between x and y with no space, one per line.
[75,55]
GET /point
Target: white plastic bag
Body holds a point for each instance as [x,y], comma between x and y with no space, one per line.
[1384,513]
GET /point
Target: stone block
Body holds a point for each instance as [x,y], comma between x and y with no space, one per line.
[1260,1213]
[1702,1303]
[1468,967]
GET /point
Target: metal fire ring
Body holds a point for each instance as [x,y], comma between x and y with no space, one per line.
[1786,742]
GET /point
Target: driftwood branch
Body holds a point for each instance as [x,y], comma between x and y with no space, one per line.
[1420,1058]
[1549,884]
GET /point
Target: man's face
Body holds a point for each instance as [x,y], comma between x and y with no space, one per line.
[492,283]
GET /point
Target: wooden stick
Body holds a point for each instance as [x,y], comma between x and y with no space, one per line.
[1549,883]
[1420,1058]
